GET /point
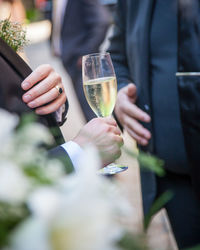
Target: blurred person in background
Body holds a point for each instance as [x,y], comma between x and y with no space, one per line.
[41,91]
[111,5]
[45,6]
[12,9]
[152,41]
[79,28]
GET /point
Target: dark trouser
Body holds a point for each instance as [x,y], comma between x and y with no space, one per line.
[183,209]
[76,77]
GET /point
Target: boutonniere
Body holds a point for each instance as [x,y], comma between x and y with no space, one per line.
[13,34]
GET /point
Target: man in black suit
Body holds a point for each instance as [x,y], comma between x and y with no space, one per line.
[83,25]
[151,42]
[45,94]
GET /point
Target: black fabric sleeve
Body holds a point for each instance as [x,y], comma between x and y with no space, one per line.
[117,46]
[97,22]
[61,154]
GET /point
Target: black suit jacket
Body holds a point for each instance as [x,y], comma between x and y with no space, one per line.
[130,54]
[13,70]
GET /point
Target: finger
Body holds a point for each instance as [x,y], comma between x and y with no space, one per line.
[110,121]
[115,151]
[52,107]
[137,138]
[44,86]
[118,139]
[132,110]
[131,90]
[135,126]
[44,99]
[112,150]
[37,75]
[114,140]
[113,129]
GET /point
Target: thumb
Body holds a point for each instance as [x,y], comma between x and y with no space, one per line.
[131,90]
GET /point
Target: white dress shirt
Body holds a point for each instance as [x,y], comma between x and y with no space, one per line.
[74,151]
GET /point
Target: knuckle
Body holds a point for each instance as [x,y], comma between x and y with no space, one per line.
[48,67]
[46,110]
[107,128]
[41,73]
[121,141]
[41,110]
[37,102]
[44,70]
[118,131]
[32,93]
[57,77]
[113,138]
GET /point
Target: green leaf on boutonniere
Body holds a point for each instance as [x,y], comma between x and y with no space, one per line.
[13,34]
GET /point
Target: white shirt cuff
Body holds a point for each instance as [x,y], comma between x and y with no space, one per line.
[74,151]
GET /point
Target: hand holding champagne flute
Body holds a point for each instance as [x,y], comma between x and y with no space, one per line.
[100,88]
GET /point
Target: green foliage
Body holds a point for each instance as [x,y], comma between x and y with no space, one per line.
[148,161]
[157,205]
[132,242]
[29,163]
[33,15]
[27,119]
[37,174]
[194,248]
[10,217]
[13,34]
[154,164]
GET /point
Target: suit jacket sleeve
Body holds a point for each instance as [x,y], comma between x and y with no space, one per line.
[96,21]
[61,154]
[118,46]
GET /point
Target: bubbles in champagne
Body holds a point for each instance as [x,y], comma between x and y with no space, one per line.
[101,95]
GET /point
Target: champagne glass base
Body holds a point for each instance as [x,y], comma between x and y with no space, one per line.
[112,169]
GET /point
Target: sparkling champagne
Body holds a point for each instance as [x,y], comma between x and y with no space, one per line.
[101,95]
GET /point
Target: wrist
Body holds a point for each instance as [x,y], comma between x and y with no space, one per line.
[80,140]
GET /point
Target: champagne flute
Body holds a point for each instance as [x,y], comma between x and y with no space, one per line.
[100,88]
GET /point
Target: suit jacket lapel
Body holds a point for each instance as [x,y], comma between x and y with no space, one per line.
[145,15]
[146,9]
[13,58]
[24,70]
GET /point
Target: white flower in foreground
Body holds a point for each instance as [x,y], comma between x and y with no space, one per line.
[7,124]
[45,203]
[55,169]
[80,213]
[35,133]
[32,235]
[14,185]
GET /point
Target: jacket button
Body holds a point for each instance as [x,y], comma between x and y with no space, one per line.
[146,107]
